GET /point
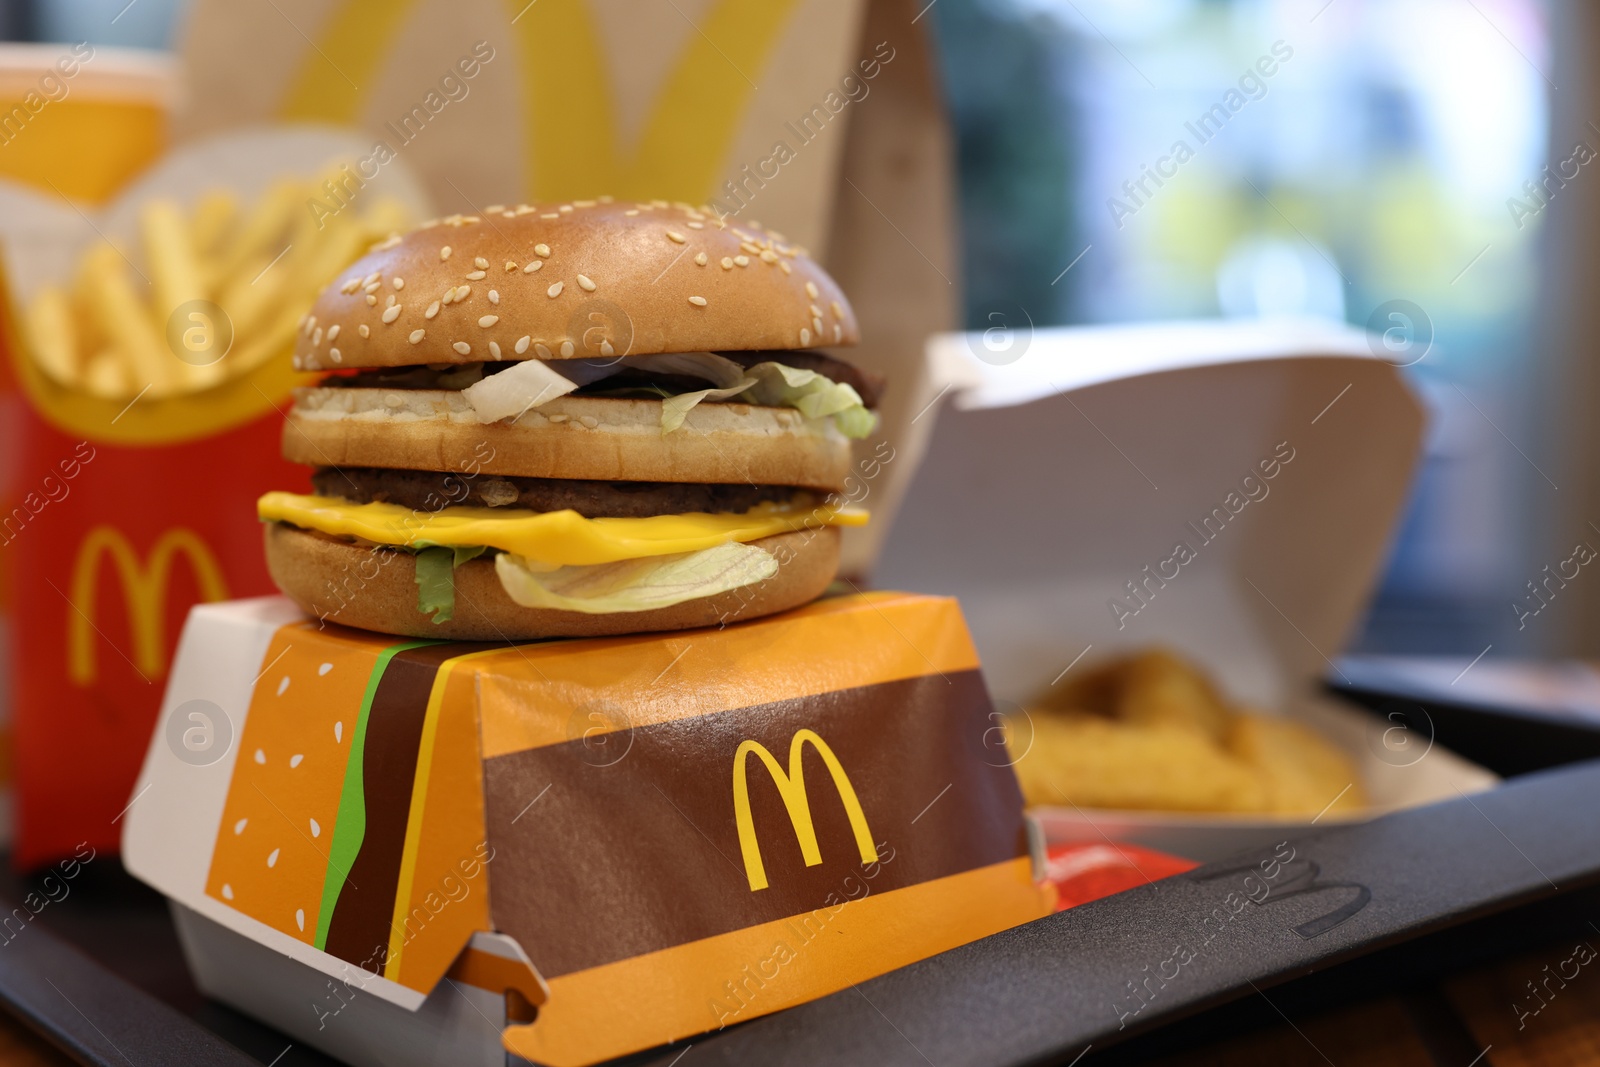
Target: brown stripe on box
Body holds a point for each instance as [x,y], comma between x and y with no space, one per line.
[359,930]
[635,845]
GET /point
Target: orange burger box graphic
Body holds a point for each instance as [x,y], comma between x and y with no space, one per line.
[599,845]
[143,439]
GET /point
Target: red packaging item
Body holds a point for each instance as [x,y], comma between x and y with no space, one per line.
[1082,873]
[107,546]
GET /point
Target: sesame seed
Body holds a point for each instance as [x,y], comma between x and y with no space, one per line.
[743,261]
[567,350]
[449,296]
[697,225]
[542,250]
[398,282]
[316,337]
[393,400]
[631,212]
[333,332]
[541,350]
[479,261]
[462,292]
[550,215]
[531,267]
[333,354]
[433,309]
[768,256]
[700,260]
[487,321]
[565,209]
[554,290]
[750,246]
[727,263]
[372,301]
[583,203]
[783,265]
[816,312]
[511,265]
[416,335]
[838,332]
[585,284]
[522,344]
[589,421]
[494,350]
[698,301]
[391,313]
[838,312]
[444,253]
[350,286]
[477,275]
[811,290]
[816,324]
[372,279]
[606,349]
[495,209]
[675,237]
[389,303]
[805,337]
[494,296]
[462,347]
[557,418]
[364,330]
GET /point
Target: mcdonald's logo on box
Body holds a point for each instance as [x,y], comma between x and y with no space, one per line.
[618,810]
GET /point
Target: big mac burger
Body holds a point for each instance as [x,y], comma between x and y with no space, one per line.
[565,420]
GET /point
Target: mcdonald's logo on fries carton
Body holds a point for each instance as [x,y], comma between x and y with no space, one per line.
[660,829]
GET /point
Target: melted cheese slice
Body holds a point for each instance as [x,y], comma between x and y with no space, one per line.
[562,538]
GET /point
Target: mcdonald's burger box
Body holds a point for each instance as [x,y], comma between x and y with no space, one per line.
[1225,490]
[413,852]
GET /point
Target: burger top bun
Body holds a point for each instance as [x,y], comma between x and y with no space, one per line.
[587,279]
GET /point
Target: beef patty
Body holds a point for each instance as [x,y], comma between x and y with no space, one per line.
[433,490]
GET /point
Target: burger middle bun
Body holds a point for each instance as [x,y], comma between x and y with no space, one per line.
[584,279]
[573,437]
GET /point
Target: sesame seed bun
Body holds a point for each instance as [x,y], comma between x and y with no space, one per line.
[328,579]
[591,438]
[612,278]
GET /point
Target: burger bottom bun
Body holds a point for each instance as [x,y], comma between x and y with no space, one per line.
[376,589]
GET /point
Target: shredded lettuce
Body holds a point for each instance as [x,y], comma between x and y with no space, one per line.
[436,583]
[533,382]
[769,384]
[634,584]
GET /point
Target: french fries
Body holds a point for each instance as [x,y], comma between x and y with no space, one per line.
[260,264]
[1152,733]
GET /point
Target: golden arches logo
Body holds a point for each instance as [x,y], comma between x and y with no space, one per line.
[570,143]
[144,587]
[792,788]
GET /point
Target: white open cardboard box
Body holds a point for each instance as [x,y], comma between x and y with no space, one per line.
[1060,476]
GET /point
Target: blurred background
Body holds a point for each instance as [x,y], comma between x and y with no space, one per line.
[1414,166]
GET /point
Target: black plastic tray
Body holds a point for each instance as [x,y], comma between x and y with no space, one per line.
[99,973]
